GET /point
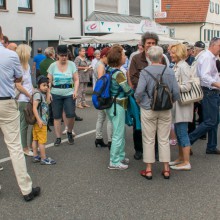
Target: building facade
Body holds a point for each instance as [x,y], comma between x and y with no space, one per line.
[115,16]
[192,20]
[40,22]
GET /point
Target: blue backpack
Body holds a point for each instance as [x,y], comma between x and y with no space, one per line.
[101,97]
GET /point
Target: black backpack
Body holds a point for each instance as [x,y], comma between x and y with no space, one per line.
[161,97]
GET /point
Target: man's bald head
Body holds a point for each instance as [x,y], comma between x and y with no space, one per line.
[12,46]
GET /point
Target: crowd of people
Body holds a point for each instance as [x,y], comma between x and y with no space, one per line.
[62,86]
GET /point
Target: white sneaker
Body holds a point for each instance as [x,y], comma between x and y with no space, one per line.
[65,131]
[73,133]
[173,163]
[119,166]
[125,161]
[184,167]
[29,153]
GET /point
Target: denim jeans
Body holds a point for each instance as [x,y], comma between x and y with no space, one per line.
[182,134]
[210,106]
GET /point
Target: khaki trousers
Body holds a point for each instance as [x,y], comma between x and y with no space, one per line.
[153,122]
[10,126]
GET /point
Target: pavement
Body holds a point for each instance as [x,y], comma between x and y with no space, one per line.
[80,186]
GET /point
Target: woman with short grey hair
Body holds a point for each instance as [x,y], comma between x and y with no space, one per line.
[93,64]
[155,122]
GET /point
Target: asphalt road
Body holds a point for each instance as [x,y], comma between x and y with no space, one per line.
[80,186]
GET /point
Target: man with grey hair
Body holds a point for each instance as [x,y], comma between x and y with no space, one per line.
[198,50]
[11,72]
[210,82]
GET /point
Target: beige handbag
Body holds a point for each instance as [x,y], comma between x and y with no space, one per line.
[194,95]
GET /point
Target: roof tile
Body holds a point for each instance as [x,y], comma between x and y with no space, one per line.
[184,11]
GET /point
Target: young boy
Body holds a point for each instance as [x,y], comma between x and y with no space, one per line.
[41,100]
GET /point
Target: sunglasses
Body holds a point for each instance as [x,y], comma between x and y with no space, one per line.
[63,55]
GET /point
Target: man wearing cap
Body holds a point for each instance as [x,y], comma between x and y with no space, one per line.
[189,58]
[199,49]
[210,82]
[11,72]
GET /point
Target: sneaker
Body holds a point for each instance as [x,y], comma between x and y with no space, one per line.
[119,166]
[48,161]
[73,133]
[173,142]
[70,138]
[29,153]
[125,161]
[1,168]
[65,131]
[35,192]
[36,159]
[57,142]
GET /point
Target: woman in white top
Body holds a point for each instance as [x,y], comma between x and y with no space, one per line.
[93,64]
[182,113]
[26,90]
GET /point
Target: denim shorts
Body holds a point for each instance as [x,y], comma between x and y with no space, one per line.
[66,103]
[181,130]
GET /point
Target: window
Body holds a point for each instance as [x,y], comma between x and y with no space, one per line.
[209,35]
[134,7]
[211,7]
[205,34]
[2,4]
[109,6]
[63,8]
[25,5]
[216,8]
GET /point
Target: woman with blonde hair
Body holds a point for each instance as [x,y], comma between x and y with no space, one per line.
[25,89]
[182,113]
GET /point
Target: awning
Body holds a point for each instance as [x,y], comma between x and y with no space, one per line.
[116,38]
[113,17]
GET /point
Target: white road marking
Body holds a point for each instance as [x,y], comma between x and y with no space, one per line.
[52,144]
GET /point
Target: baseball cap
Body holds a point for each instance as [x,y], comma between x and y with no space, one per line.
[199,44]
[104,51]
[62,49]
[42,79]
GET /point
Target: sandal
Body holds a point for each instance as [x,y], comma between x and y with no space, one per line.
[88,106]
[165,176]
[80,106]
[144,174]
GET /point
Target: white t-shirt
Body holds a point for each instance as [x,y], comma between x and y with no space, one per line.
[27,84]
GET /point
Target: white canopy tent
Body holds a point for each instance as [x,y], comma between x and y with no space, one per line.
[115,38]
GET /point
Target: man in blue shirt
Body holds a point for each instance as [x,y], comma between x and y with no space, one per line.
[210,82]
[11,72]
[37,60]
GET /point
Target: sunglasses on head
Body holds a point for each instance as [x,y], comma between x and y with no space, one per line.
[63,55]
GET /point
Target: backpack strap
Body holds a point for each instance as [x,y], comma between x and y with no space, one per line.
[39,104]
[155,79]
